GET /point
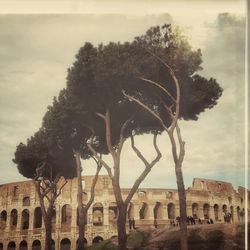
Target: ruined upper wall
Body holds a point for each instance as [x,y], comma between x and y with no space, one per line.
[212,186]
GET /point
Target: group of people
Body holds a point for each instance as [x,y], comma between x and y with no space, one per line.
[176,222]
[190,221]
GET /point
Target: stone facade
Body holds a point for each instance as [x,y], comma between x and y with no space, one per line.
[21,225]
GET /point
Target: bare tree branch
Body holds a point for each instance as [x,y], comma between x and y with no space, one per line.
[99,166]
[60,189]
[147,108]
[159,86]
[148,167]
[97,157]
[108,133]
[122,139]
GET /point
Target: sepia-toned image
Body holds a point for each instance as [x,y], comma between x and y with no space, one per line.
[124,125]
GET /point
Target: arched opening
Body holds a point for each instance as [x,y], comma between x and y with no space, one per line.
[158,211]
[98,214]
[11,245]
[36,245]
[38,217]
[23,245]
[3,220]
[113,212]
[238,213]
[206,211]
[216,212]
[230,200]
[53,244]
[13,219]
[130,210]
[97,239]
[25,219]
[66,218]
[141,194]
[232,213]
[66,214]
[85,242]
[143,211]
[171,211]
[65,244]
[1,246]
[224,211]
[26,201]
[195,210]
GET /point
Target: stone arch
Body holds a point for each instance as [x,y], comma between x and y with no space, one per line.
[195,210]
[26,201]
[131,211]
[23,245]
[97,239]
[65,244]
[216,212]
[3,220]
[97,214]
[37,217]
[36,245]
[158,211]
[11,245]
[171,211]
[143,211]
[13,219]
[25,219]
[206,210]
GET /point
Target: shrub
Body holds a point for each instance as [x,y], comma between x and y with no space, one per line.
[214,239]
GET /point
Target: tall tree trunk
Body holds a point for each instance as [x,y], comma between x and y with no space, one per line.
[121,227]
[182,203]
[80,202]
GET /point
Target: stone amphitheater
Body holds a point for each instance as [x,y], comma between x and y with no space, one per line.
[22,227]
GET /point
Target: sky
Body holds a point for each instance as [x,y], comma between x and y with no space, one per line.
[38,44]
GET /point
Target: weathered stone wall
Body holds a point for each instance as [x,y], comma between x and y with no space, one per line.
[21,223]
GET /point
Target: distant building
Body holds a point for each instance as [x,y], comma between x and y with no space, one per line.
[21,225]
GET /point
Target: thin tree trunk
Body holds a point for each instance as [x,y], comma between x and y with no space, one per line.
[80,202]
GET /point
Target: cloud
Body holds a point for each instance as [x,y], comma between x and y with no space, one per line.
[36,51]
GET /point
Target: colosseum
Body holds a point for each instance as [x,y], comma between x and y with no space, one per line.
[21,224]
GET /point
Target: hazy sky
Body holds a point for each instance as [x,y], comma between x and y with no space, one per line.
[36,50]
